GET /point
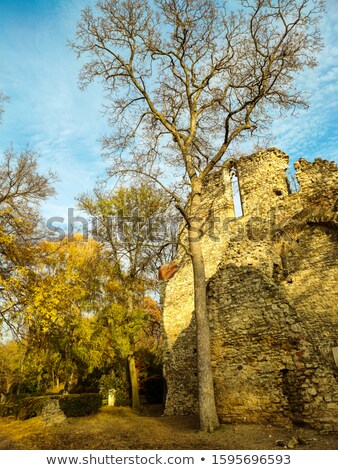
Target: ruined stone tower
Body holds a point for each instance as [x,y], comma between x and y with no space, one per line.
[272,297]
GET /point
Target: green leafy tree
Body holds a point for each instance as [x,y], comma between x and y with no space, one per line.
[131,223]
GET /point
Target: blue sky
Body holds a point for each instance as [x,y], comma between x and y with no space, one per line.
[48,112]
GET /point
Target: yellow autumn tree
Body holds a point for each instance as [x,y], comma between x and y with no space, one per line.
[22,188]
[63,300]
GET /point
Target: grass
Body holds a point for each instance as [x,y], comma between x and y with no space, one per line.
[120,428]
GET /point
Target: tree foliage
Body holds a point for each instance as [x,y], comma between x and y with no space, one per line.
[132,223]
[137,225]
[22,188]
[67,303]
[184,81]
[75,322]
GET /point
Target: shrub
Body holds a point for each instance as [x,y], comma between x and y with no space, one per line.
[6,410]
[80,405]
[71,405]
[30,407]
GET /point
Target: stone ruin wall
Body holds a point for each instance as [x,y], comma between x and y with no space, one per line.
[272,297]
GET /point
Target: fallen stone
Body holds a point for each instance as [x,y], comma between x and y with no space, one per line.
[292,443]
[52,414]
[280,443]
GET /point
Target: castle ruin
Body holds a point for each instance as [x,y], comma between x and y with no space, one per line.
[272,297]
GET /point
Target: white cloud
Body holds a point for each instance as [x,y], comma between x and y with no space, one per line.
[47,110]
[313,133]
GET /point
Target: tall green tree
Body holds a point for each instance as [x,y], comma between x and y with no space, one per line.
[132,224]
[184,80]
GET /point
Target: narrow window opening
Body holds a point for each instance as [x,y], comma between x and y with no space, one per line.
[292,182]
[236,193]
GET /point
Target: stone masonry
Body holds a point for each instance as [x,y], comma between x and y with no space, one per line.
[272,297]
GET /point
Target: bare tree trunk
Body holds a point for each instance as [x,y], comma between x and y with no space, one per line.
[206,395]
[135,397]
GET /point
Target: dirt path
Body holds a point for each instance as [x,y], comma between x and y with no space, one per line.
[118,428]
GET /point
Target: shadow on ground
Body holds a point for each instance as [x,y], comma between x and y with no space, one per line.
[119,428]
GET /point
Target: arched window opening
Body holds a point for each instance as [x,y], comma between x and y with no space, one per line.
[236,193]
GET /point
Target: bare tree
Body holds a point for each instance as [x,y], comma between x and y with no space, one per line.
[184,79]
[22,188]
